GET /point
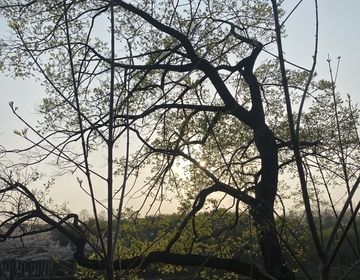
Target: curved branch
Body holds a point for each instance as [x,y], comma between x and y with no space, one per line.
[200,201]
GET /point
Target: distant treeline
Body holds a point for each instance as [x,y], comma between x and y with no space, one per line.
[224,234]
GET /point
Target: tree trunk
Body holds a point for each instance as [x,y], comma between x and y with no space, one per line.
[269,244]
[324,270]
[262,212]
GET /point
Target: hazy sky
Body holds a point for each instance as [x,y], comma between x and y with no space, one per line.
[339,36]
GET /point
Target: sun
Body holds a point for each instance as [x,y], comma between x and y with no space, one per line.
[202,163]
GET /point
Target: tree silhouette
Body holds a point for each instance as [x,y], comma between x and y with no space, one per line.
[177,90]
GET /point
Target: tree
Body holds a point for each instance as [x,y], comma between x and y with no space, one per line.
[35,247]
[173,89]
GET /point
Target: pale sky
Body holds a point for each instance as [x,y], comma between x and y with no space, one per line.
[339,36]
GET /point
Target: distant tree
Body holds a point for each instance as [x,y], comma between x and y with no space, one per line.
[40,246]
[176,98]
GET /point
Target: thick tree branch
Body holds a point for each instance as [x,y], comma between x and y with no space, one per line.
[192,260]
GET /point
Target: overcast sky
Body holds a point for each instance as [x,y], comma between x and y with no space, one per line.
[339,36]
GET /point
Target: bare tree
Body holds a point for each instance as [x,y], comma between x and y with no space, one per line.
[175,89]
